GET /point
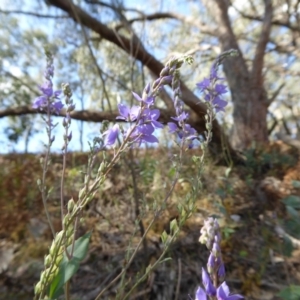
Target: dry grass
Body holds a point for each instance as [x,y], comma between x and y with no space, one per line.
[254,265]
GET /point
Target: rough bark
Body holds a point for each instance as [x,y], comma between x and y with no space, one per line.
[247,86]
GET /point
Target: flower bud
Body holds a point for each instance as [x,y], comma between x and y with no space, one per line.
[156,83]
[38,288]
[208,285]
[166,79]
[71,205]
[164,72]
[47,261]
[52,249]
[221,272]
[71,108]
[58,237]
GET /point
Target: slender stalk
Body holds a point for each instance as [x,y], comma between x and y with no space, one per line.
[45,170]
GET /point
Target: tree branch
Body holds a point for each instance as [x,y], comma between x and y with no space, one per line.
[258,61]
[142,55]
[30,13]
[287,24]
[83,115]
[204,28]
[235,69]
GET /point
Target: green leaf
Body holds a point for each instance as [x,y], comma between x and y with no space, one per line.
[296,184]
[291,292]
[293,201]
[287,247]
[292,212]
[173,225]
[67,267]
[164,237]
[292,227]
[165,260]
[243,253]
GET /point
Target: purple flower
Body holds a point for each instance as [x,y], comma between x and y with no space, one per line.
[172,127]
[189,133]
[200,294]
[214,72]
[57,106]
[150,117]
[203,85]
[211,263]
[128,114]
[219,104]
[148,100]
[216,249]
[42,102]
[210,234]
[166,79]
[50,99]
[143,135]
[223,293]
[213,90]
[146,120]
[209,287]
[221,271]
[220,89]
[111,135]
[182,117]
[47,88]
[147,129]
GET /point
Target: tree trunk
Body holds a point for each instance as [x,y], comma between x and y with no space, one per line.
[247,86]
[250,118]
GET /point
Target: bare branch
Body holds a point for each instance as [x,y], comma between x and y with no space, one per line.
[155,66]
[34,14]
[275,93]
[83,115]
[258,61]
[284,23]
[203,27]
[140,52]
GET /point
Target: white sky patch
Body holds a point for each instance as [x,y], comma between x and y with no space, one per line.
[240,5]
[14,70]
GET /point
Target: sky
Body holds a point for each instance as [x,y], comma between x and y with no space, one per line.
[90,129]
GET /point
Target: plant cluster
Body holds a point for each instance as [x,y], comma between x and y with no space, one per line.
[67,250]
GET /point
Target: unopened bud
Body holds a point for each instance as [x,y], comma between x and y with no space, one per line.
[147,89]
[101,167]
[166,79]
[48,261]
[38,288]
[70,107]
[81,193]
[156,83]
[164,72]
[69,136]
[39,182]
[58,240]
[71,205]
